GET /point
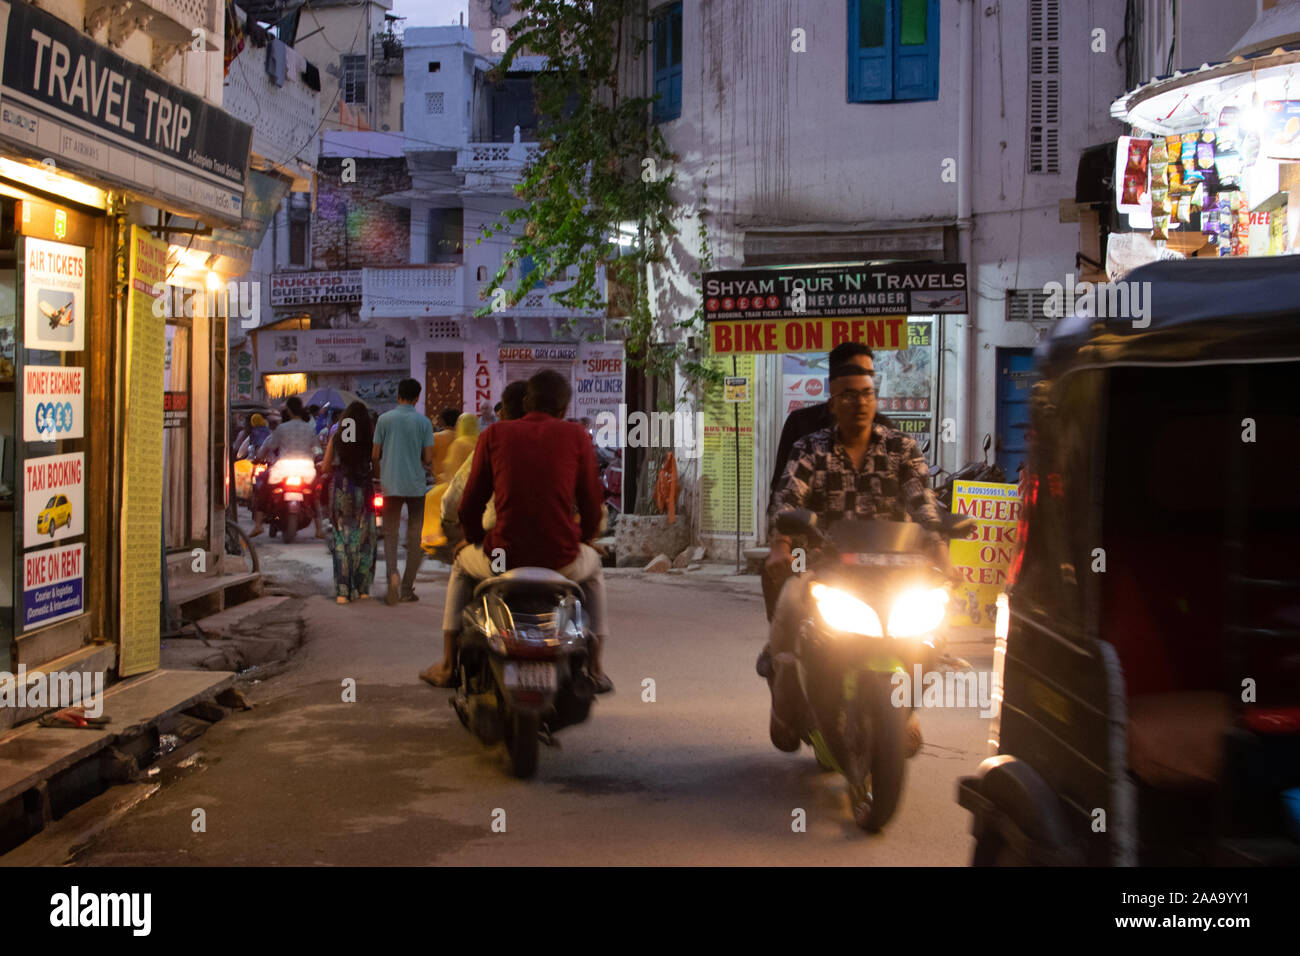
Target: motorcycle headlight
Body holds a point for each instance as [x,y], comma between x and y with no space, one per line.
[843,612]
[918,612]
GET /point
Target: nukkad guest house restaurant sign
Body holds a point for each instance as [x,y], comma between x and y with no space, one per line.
[813,310]
[65,97]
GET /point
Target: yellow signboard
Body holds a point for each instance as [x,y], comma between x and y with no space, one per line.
[984,556]
[770,336]
[736,389]
[721,475]
[142,474]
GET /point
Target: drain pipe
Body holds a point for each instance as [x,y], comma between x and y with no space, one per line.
[968,358]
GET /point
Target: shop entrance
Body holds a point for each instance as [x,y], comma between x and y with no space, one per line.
[444,382]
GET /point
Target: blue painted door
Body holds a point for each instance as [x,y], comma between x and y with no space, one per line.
[1016,378]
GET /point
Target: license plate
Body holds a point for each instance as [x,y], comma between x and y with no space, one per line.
[531,675]
[293,496]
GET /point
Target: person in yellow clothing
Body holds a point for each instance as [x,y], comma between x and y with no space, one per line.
[462,447]
[442,439]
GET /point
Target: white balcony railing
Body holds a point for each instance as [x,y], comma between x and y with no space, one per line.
[412,291]
[489,165]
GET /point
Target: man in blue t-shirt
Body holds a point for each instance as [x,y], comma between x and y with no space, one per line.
[403,450]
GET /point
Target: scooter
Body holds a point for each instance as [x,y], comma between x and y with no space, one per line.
[876,606]
[291,496]
[524,652]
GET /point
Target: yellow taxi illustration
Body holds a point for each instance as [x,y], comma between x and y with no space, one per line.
[57,512]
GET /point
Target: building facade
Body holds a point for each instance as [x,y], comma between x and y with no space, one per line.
[112,370]
[824,132]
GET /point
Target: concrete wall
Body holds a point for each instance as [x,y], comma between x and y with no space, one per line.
[328,31]
[1197,31]
[438,104]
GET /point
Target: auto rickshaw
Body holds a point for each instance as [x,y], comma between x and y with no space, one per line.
[1149,661]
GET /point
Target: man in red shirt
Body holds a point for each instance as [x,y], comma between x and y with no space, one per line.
[539,468]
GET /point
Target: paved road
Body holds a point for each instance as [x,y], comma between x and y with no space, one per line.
[304,778]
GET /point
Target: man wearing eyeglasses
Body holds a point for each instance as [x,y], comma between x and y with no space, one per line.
[859,468]
[805,421]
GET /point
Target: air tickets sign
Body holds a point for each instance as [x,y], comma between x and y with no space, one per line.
[813,310]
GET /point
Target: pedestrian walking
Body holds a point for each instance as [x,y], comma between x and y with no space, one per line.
[461,448]
[352,538]
[442,440]
[403,449]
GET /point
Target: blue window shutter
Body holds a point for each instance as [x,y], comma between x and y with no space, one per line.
[525,267]
[871,73]
[916,67]
[668,63]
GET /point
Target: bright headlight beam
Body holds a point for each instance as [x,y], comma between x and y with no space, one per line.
[844,612]
[917,612]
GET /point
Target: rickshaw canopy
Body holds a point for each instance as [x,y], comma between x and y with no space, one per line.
[1196,311]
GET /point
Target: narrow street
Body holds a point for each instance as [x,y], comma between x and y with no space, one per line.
[691,778]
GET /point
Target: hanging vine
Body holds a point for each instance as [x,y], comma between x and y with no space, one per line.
[597,196]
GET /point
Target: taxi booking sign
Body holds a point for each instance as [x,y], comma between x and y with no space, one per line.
[770,311]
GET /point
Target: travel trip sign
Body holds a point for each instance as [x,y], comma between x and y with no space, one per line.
[755,311]
[68,98]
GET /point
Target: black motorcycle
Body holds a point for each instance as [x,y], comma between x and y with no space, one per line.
[945,481]
[523,674]
[876,606]
[291,496]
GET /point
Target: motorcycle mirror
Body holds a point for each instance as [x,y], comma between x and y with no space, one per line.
[799,521]
[988,442]
[955,526]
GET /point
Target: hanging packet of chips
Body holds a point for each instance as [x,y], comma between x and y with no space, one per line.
[1191,174]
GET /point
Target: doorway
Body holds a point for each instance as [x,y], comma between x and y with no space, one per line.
[444,382]
[1015,380]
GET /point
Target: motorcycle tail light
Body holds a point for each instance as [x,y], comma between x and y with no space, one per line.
[293,481]
[379,502]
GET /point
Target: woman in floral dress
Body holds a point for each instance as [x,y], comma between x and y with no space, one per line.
[352,532]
